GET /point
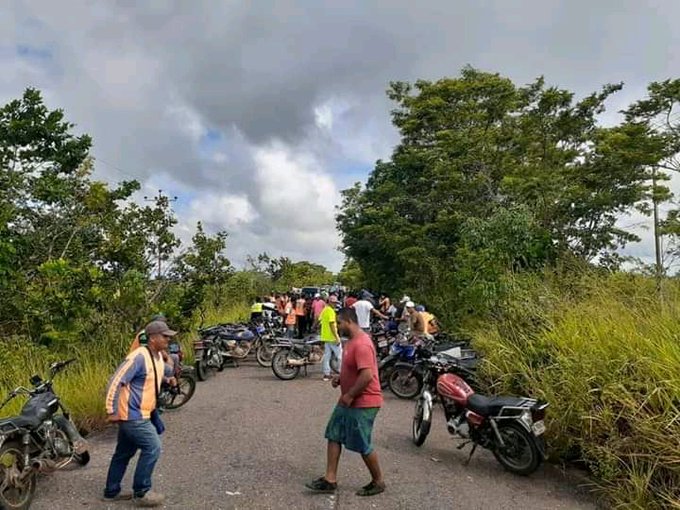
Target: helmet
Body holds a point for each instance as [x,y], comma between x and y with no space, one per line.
[420,308]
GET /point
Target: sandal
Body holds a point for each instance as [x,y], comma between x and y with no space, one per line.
[322,486]
[372,489]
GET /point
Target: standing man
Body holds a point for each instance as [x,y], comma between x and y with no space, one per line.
[351,424]
[130,400]
[256,309]
[317,307]
[330,337]
[301,317]
[364,309]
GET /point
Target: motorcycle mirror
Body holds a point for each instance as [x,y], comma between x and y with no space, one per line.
[35,380]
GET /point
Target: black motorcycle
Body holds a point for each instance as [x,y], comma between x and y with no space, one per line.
[41,439]
[291,355]
[208,356]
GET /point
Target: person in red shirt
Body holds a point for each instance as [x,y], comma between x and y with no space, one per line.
[351,424]
[351,299]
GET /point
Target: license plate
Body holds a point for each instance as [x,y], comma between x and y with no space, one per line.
[382,343]
[538,428]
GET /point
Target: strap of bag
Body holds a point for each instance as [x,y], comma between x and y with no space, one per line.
[155,375]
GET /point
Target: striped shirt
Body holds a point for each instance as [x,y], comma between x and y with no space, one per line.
[131,394]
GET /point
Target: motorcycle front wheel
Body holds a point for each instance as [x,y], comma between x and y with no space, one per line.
[15,494]
[404,383]
[186,386]
[280,366]
[264,354]
[421,426]
[202,370]
[519,453]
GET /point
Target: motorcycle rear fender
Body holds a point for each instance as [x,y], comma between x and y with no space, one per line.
[427,405]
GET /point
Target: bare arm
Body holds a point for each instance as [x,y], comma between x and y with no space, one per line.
[365,376]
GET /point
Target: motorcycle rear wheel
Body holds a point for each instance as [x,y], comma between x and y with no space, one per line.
[421,427]
[280,365]
[520,454]
[404,384]
[13,497]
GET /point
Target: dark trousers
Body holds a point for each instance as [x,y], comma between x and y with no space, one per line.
[302,325]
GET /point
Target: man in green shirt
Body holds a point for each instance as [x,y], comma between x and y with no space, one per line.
[329,336]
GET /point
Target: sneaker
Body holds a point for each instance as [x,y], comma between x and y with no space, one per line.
[327,378]
[121,496]
[372,489]
[150,499]
[322,486]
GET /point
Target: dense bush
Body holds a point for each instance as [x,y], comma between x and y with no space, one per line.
[605,352]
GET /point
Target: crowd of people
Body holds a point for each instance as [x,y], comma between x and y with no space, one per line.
[341,321]
[301,312]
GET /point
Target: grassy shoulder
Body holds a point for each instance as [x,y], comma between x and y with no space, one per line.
[82,386]
[605,352]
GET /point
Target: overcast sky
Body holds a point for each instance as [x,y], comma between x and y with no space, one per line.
[257,113]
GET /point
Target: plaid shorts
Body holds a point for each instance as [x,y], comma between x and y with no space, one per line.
[352,427]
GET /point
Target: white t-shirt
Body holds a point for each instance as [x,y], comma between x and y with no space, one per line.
[363,309]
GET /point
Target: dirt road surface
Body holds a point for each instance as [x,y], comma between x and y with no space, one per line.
[249,441]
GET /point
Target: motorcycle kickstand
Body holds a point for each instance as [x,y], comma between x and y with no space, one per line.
[461,446]
[467,462]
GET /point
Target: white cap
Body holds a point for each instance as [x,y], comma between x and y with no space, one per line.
[317,295]
[410,304]
[405,299]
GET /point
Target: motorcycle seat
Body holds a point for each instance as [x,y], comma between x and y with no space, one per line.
[491,406]
[242,335]
[20,422]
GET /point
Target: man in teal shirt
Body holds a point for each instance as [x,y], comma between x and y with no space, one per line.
[329,336]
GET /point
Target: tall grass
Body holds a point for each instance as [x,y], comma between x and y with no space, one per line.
[605,352]
[82,386]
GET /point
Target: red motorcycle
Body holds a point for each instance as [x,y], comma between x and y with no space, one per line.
[511,427]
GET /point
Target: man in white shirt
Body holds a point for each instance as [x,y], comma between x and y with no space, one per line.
[364,309]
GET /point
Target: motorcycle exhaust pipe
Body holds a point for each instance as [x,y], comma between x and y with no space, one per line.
[43,465]
[296,362]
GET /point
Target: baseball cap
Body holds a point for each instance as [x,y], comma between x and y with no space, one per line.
[405,299]
[410,304]
[317,295]
[158,328]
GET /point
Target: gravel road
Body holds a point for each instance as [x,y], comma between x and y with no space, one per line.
[249,441]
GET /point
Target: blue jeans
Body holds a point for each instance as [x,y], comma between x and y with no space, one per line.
[329,349]
[133,436]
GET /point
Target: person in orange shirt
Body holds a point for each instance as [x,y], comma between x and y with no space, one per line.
[301,315]
[290,319]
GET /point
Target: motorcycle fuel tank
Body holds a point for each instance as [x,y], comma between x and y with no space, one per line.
[455,388]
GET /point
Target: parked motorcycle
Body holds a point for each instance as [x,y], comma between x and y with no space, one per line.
[173,397]
[405,379]
[208,357]
[40,440]
[511,427]
[291,355]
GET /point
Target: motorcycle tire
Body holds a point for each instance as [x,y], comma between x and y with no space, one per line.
[421,427]
[405,384]
[280,365]
[203,372]
[12,498]
[335,364]
[384,374]
[187,387]
[264,354]
[518,441]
